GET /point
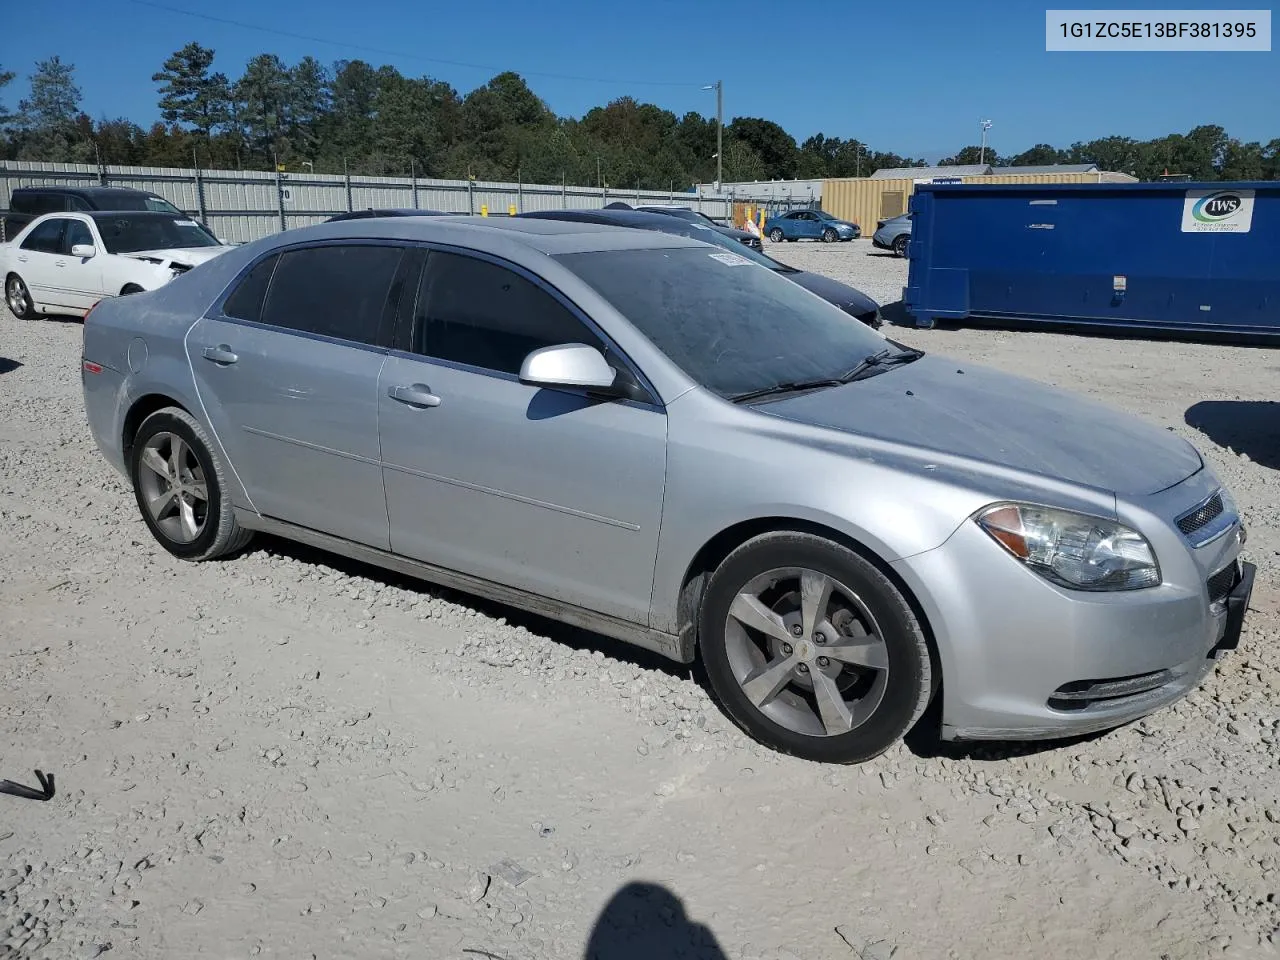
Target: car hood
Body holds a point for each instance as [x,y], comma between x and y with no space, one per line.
[833,291]
[734,232]
[192,256]
[971,411]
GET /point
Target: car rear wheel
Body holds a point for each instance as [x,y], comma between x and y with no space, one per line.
[18,297]
[812,650]
[829,235]
[776,235]
[180,488]
[900,243]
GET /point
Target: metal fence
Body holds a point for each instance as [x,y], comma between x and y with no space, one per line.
[239,206]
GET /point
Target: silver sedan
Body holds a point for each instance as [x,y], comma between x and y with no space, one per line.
[662,441]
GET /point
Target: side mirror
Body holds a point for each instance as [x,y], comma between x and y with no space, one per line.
[568,365]
[84,250]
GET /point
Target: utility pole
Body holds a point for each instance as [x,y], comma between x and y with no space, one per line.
[718,86]
[982,154]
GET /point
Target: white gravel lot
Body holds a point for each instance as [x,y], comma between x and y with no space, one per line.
[289,755]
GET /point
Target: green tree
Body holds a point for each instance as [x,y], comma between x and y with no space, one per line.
[971,155]
[1042,154]
[774,146]
[190,94]
[47,117]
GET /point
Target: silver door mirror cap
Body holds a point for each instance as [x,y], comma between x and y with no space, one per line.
[568,365]
[84,250]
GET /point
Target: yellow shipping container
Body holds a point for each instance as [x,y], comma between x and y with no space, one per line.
[865,200]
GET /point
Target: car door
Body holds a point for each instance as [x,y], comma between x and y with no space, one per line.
[81,277]
[38,261]
[549,491]
[287,371]
[808,225]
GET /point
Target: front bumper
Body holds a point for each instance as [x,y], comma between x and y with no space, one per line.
[1023,659]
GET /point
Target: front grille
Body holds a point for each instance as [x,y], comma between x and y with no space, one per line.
[1223,582]
[1189,523]
[1080,694]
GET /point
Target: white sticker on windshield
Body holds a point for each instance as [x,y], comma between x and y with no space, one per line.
[730,259]
[185,223]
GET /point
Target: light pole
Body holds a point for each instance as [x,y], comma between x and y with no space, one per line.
[982,154]
[311,167]
[718,87]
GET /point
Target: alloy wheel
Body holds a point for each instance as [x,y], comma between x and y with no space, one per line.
[173,487]
[16,295]
[806,651]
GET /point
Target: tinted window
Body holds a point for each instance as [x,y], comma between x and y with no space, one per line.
[77,232]
[245,302]
[161,205]
[122,233]
[731,325]
[336,291]
[78,203]
[46,237]
[475,312]
[39,203]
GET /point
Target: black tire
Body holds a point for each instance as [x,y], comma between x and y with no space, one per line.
[18,298]
[130,288]
[900,244]
[219,534]
[908,684]
[776,235]
[829,235]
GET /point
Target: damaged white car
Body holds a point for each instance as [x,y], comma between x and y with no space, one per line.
[64,263]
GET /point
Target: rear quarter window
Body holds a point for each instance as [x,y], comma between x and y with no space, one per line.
[245,302]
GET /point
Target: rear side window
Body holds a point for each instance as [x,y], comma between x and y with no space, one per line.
[47,237]
[245,302]
[39,203]
[335,291]
[475,312]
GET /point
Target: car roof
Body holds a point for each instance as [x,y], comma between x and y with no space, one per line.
[550,237]
[617,216]
[386,212]
[85,191]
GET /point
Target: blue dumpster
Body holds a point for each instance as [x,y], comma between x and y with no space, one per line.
[1174,256]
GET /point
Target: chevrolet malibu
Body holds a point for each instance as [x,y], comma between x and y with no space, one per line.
[641,434]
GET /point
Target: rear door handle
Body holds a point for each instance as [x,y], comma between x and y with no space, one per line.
[415,395]
[220,354]
[22,258]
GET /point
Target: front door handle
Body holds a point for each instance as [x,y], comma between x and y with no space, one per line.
[59,263]
[221,354]
[415,395]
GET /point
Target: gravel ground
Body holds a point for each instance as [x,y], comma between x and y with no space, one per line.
[285,754]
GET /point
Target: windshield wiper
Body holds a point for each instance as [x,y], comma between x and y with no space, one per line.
[792,386]
[878,362]
[868,367]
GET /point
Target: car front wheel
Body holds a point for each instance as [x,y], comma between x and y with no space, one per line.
[180,488]
[829,235]
[812,650]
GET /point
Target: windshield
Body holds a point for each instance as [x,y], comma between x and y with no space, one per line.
[823,215]
[161,205]
[126,234]
[708,235]
[730,325]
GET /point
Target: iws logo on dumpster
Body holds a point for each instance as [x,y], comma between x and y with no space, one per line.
[1217,211]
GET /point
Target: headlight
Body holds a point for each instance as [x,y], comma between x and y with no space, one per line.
[1073,549]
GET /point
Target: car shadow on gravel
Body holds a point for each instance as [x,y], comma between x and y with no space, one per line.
[646,921]
[1250,427]
[8,366]
[562,633]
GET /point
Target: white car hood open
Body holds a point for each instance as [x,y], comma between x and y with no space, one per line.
[191,256]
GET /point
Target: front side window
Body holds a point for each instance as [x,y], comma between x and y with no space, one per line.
[484,315]
[47,237]
[123,233]
[161,205]
[77,232]
[337,290]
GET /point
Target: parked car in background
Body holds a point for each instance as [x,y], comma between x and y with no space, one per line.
[385,212]
[689,215]
[893,234]
[649,437]
[27,203]
[65,263]
[853,302]
[809,225]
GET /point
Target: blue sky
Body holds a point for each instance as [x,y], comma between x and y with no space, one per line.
[909,77]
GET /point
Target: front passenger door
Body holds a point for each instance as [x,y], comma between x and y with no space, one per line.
[36,261]
[550,491]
